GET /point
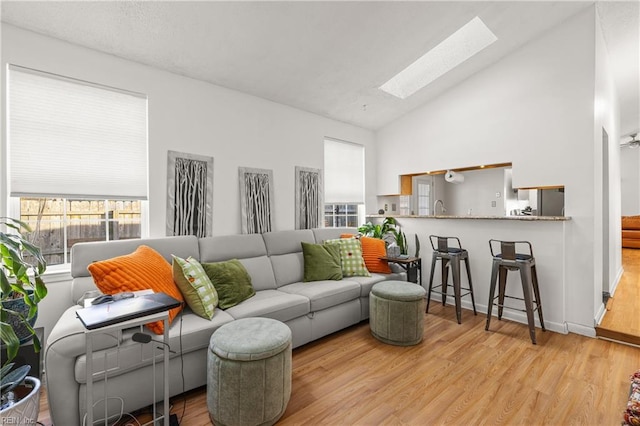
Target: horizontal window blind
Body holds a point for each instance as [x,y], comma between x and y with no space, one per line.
[343,172]
[73,139]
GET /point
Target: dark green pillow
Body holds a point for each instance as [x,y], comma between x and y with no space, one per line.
[321,262]
[231,280]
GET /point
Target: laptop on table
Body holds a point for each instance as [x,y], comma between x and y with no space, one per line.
[109,313]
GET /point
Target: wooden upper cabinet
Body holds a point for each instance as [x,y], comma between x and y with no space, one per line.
[406,186]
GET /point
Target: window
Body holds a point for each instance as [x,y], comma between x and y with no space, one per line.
[58,223]
[77,160]
[341,215]
[344,183]
[423,185]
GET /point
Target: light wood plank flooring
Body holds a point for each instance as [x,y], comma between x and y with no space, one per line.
[458,375]
[622,320]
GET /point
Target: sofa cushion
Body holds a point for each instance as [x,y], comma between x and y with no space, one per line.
[631,222]
[231,280]
[287,268]
[83,254]
[372,250]
[249,249]
[143,269]
[273,304]
[285,254]
[195,286]
[351,257]
[285,242]
[225,247]
[324,294]
[321,262]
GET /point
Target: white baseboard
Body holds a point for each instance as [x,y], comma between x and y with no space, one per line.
[520,317]
[600,314]
[616,282]
[581,329]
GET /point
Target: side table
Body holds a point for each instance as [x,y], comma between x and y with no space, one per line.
[413,266]
[118,327]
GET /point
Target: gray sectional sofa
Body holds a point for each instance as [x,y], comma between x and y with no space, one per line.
[275,263]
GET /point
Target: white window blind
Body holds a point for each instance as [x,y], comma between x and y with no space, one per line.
[343,172]
[73,139]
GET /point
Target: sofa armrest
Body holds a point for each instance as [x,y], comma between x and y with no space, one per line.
[67,336]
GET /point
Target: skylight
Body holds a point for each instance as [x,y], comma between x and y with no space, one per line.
[451,52]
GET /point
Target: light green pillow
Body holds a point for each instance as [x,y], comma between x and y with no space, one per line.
[195,286]
[231,280]
[321,262]
[351,257]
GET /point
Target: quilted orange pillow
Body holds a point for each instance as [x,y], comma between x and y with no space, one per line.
[372,250]
[143,269]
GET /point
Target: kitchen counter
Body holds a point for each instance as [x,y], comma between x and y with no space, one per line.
[473,217]
[547,234]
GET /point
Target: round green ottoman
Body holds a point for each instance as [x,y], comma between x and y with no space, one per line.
[249,372]
[396,312]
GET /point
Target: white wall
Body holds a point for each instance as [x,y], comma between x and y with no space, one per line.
[608,221]
[630,181]
[534,109]
[191,116]
[188,115]
[548,244]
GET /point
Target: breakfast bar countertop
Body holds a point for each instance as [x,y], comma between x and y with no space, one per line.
[475,217]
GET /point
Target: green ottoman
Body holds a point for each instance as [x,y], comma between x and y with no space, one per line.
[249,372]
[396,312]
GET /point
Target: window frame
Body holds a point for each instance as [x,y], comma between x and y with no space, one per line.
[65,267]
[359,214]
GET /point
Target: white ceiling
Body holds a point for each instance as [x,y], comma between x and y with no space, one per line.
[325,57]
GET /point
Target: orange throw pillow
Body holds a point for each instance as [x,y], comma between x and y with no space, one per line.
[143,269]
[372,250]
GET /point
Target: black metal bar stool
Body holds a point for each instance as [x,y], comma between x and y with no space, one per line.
[450,257]
[510,260]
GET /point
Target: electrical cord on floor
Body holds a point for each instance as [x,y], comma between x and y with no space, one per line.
[144,338]
[137,423]
[118,416]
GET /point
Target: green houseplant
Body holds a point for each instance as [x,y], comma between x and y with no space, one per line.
[389,229]
[21,285]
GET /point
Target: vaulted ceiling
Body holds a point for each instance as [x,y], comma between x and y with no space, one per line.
[325,57]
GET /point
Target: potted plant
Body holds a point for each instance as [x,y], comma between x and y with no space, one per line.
[388,230]
[21,289]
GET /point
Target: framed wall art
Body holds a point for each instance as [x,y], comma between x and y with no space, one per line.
[256,200]
[189,194]
[308,198]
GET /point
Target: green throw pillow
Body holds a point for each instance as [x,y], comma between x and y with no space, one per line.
[231,280]
[321,262]
[195,286]
[351,257]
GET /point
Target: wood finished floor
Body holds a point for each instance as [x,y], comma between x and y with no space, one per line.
[458,375]
[622,320]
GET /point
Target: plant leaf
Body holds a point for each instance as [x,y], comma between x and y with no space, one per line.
[13,379]
[8,336]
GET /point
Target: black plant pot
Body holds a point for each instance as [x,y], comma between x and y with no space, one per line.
[21,330]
